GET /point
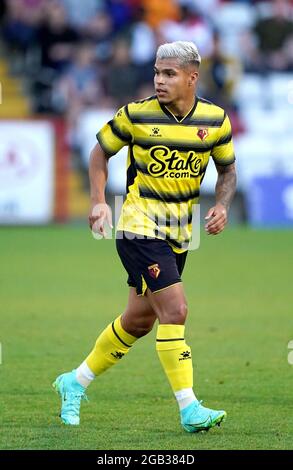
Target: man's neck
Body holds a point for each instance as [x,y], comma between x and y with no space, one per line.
[181,108]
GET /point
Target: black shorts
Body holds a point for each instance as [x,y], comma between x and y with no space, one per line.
[150,263]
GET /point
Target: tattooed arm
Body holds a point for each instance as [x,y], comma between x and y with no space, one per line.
[217,216]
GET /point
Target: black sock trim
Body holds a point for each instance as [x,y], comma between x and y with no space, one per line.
[173,339]
[117,336]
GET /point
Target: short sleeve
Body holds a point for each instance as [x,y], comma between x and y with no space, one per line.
[223,150]
[116,133]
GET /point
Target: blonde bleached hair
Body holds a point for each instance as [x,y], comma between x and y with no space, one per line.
[186,52]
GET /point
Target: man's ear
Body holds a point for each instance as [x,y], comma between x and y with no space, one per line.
[193,78]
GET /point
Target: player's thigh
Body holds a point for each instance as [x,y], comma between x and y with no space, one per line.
[169,305]
[139,316]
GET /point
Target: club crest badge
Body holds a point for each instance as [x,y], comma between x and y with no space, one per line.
[202,133]
[154,270]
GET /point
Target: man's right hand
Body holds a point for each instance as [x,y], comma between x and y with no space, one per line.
[99,214]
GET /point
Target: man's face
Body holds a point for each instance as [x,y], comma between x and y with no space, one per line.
[172,81]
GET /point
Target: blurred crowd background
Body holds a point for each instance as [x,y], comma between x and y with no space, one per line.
[80,60]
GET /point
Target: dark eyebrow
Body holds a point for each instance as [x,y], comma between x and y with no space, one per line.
[165,70]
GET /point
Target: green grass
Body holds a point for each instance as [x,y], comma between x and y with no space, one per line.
[59,288]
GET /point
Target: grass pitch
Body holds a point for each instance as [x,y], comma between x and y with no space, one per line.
[59,288]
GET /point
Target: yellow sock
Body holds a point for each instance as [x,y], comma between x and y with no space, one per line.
[175,356]
[112,344]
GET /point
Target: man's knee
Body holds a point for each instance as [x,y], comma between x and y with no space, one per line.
[138,327]
[174,314]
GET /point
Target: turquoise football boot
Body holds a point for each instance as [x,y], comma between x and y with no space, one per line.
[71,393]
[196,418]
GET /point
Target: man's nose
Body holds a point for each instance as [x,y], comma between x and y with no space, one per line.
[159,79]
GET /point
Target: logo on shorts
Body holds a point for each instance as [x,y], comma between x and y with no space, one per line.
[154,270]
[202,134]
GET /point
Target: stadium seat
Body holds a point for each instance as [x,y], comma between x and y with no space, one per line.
[249,91]
[256,155]
[280,86]
[234,17]
[264,122]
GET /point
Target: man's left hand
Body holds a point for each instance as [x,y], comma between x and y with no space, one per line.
[216,218]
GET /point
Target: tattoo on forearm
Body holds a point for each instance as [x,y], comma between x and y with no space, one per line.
[226,186]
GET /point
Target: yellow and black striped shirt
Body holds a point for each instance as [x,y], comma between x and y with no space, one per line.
[167,160]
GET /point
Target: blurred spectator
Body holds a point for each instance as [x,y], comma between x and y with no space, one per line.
[22,18]
[156,11]
[2,11]
[81,12]
[121,77]
[206,8]
[121,13]
[56,38]
[219,75]
[135,5]
[55,42]
[274,39]
[100,30]
[143,48]
[78,87]
[191,26]
[93,22]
